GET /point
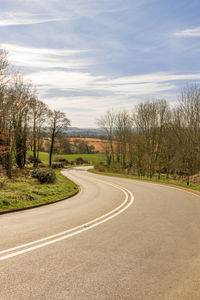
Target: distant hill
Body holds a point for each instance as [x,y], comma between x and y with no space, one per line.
[86,132]
[81,132]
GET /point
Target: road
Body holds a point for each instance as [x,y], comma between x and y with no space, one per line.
[117,239]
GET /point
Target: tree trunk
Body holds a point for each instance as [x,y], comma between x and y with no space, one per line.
[38,150]
[51,149]
[9,165]
[188,179]
[159,171]
[34,145]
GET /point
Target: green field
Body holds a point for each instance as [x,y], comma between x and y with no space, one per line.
[24,191]
[91,158]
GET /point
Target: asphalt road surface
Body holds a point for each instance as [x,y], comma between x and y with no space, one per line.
[117,239]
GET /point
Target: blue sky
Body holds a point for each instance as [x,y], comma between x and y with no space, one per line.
[85,56]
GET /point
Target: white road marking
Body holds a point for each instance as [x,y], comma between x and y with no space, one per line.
[78,229]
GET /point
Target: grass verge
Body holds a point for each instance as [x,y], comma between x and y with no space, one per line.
[192,187]
[24,191]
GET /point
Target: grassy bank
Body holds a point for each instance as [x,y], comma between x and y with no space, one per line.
[91,158]
[24,191]
[154,179]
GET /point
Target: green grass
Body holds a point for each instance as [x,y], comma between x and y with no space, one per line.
[26,191]
[194,187]
[91,158]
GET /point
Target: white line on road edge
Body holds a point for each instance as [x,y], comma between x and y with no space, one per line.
[84,227]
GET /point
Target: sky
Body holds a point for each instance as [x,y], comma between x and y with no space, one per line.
[86,56]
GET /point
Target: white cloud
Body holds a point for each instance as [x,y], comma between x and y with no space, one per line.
[98,93]
[193,32]
[45,58]
[147,84]
[43,51]
[154,77]
[14,19]
[69,10]
[75,80]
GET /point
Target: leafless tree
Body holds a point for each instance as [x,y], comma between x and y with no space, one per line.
[107,123]
[123,128]
[186,126]
[39,111]
[150,118]
[58,122]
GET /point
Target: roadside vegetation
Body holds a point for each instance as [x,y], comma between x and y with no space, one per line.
[155,140]
[24,191]
[162,180]
[24,120]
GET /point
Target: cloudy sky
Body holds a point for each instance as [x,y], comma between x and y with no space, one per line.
[85,56]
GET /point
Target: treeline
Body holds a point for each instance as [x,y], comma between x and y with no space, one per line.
[155,137]
[78,146]
[64,145]
[22,118]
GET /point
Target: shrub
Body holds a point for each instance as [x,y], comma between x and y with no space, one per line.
[44,175]
[35,173]
[5,202]
[116,168]
[101,167]
[3,182]
[57,166]
[61,160]
[31,159]
[80,161]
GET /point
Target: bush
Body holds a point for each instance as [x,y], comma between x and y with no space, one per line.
[61,160]
[116,168]
[5,202]
[44,175]
[31,159]
[57,166]
[80,161]
[3,182]
[35,173]
[101,167]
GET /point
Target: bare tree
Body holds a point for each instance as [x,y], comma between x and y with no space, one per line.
[3,69]
[38,111]
[58,122]
[107,123]
[158,138]
[20,94]
[123,128]
[186,126]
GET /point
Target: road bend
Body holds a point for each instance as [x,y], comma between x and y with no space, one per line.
[117,239]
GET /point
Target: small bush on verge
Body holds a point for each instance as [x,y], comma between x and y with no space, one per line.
[31,159]
[44,175]
[61,160]
[57,166]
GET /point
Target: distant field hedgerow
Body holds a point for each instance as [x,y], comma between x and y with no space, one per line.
[91,158]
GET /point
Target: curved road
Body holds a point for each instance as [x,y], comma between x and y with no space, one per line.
[117,239]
